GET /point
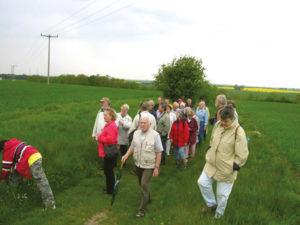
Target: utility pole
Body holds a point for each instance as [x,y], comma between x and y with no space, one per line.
[49,37]
[12,71]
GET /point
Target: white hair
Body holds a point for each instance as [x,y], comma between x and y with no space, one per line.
[125,106]
[182,104]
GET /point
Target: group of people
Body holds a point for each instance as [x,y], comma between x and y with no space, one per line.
[156,131]
[159,128]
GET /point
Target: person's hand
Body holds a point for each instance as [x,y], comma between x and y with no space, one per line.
[236,167]
[124,158]
[155,172]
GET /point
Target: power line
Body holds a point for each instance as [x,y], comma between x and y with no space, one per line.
[49,37]
[72,15]
[99,18]
[86,17]
[33,47]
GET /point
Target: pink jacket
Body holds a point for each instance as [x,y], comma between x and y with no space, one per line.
[108,136]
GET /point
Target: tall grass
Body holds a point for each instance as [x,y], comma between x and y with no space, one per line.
[58,120]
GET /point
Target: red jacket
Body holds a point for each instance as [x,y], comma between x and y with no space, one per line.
[22,166]
[108,136]
[179,133]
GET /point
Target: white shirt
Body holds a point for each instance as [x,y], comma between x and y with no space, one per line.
[99,124]
[135,123]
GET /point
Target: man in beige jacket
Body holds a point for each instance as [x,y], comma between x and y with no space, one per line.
[227,153]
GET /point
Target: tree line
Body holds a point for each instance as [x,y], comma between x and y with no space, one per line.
[81,79]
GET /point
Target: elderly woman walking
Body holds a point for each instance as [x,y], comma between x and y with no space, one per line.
[203,118]
[220,102]
[228,152]
[193,128]
[124,122]
[163,128]
[107,148]
[179,137]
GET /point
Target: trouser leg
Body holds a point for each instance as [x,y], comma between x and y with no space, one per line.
[192,150]
[14,179]
[145,178]
[223,192]
[109,164]
[168,147]
[164,144]
[205,185]
[41,180]
[123,149]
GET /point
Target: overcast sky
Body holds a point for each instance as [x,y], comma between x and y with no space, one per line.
[245,42]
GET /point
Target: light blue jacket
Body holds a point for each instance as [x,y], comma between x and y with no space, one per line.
[202,115]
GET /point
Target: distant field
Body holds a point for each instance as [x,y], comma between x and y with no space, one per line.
[264,90]
[58,119]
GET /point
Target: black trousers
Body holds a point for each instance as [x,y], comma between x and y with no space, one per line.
[109,164]
[164,140]
[123,149]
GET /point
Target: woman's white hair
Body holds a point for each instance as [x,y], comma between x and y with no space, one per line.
[125,106]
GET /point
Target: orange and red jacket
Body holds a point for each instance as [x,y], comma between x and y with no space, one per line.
[180,133]
[15,157]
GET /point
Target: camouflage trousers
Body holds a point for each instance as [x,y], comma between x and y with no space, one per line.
[41,180]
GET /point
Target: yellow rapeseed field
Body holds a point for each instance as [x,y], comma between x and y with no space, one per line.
[270,90]
[265,90]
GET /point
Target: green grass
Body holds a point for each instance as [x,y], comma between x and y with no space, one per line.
[58,119]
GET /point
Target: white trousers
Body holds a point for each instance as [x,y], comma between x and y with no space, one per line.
[223,191]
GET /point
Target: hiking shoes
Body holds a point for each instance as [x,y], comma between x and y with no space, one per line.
[218,216]
[141,213]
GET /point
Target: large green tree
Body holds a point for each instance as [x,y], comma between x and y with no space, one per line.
[183,77]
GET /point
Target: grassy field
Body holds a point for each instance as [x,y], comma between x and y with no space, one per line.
[58,119]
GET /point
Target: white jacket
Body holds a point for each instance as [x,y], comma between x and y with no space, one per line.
[99,124]
[123,128]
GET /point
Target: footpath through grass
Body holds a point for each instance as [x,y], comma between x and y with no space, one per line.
[58,120]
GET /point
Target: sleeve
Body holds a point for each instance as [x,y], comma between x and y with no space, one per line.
[172,132]
[157,144]
[94,132]
[205,118]
[241,148]
[154,123]
[132,145]
[128,122]
[134,124]
[168,124]
[212,134]
[194,125]
[6,169]
[186,133]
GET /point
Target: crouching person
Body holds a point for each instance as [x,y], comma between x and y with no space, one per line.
[228,152]
[147,148]
[24,161]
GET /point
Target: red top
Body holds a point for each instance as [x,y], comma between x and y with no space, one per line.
[22,167]
[108,136]
[193,127]
[179,133]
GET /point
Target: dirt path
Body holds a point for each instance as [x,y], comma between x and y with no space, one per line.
[98,218]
